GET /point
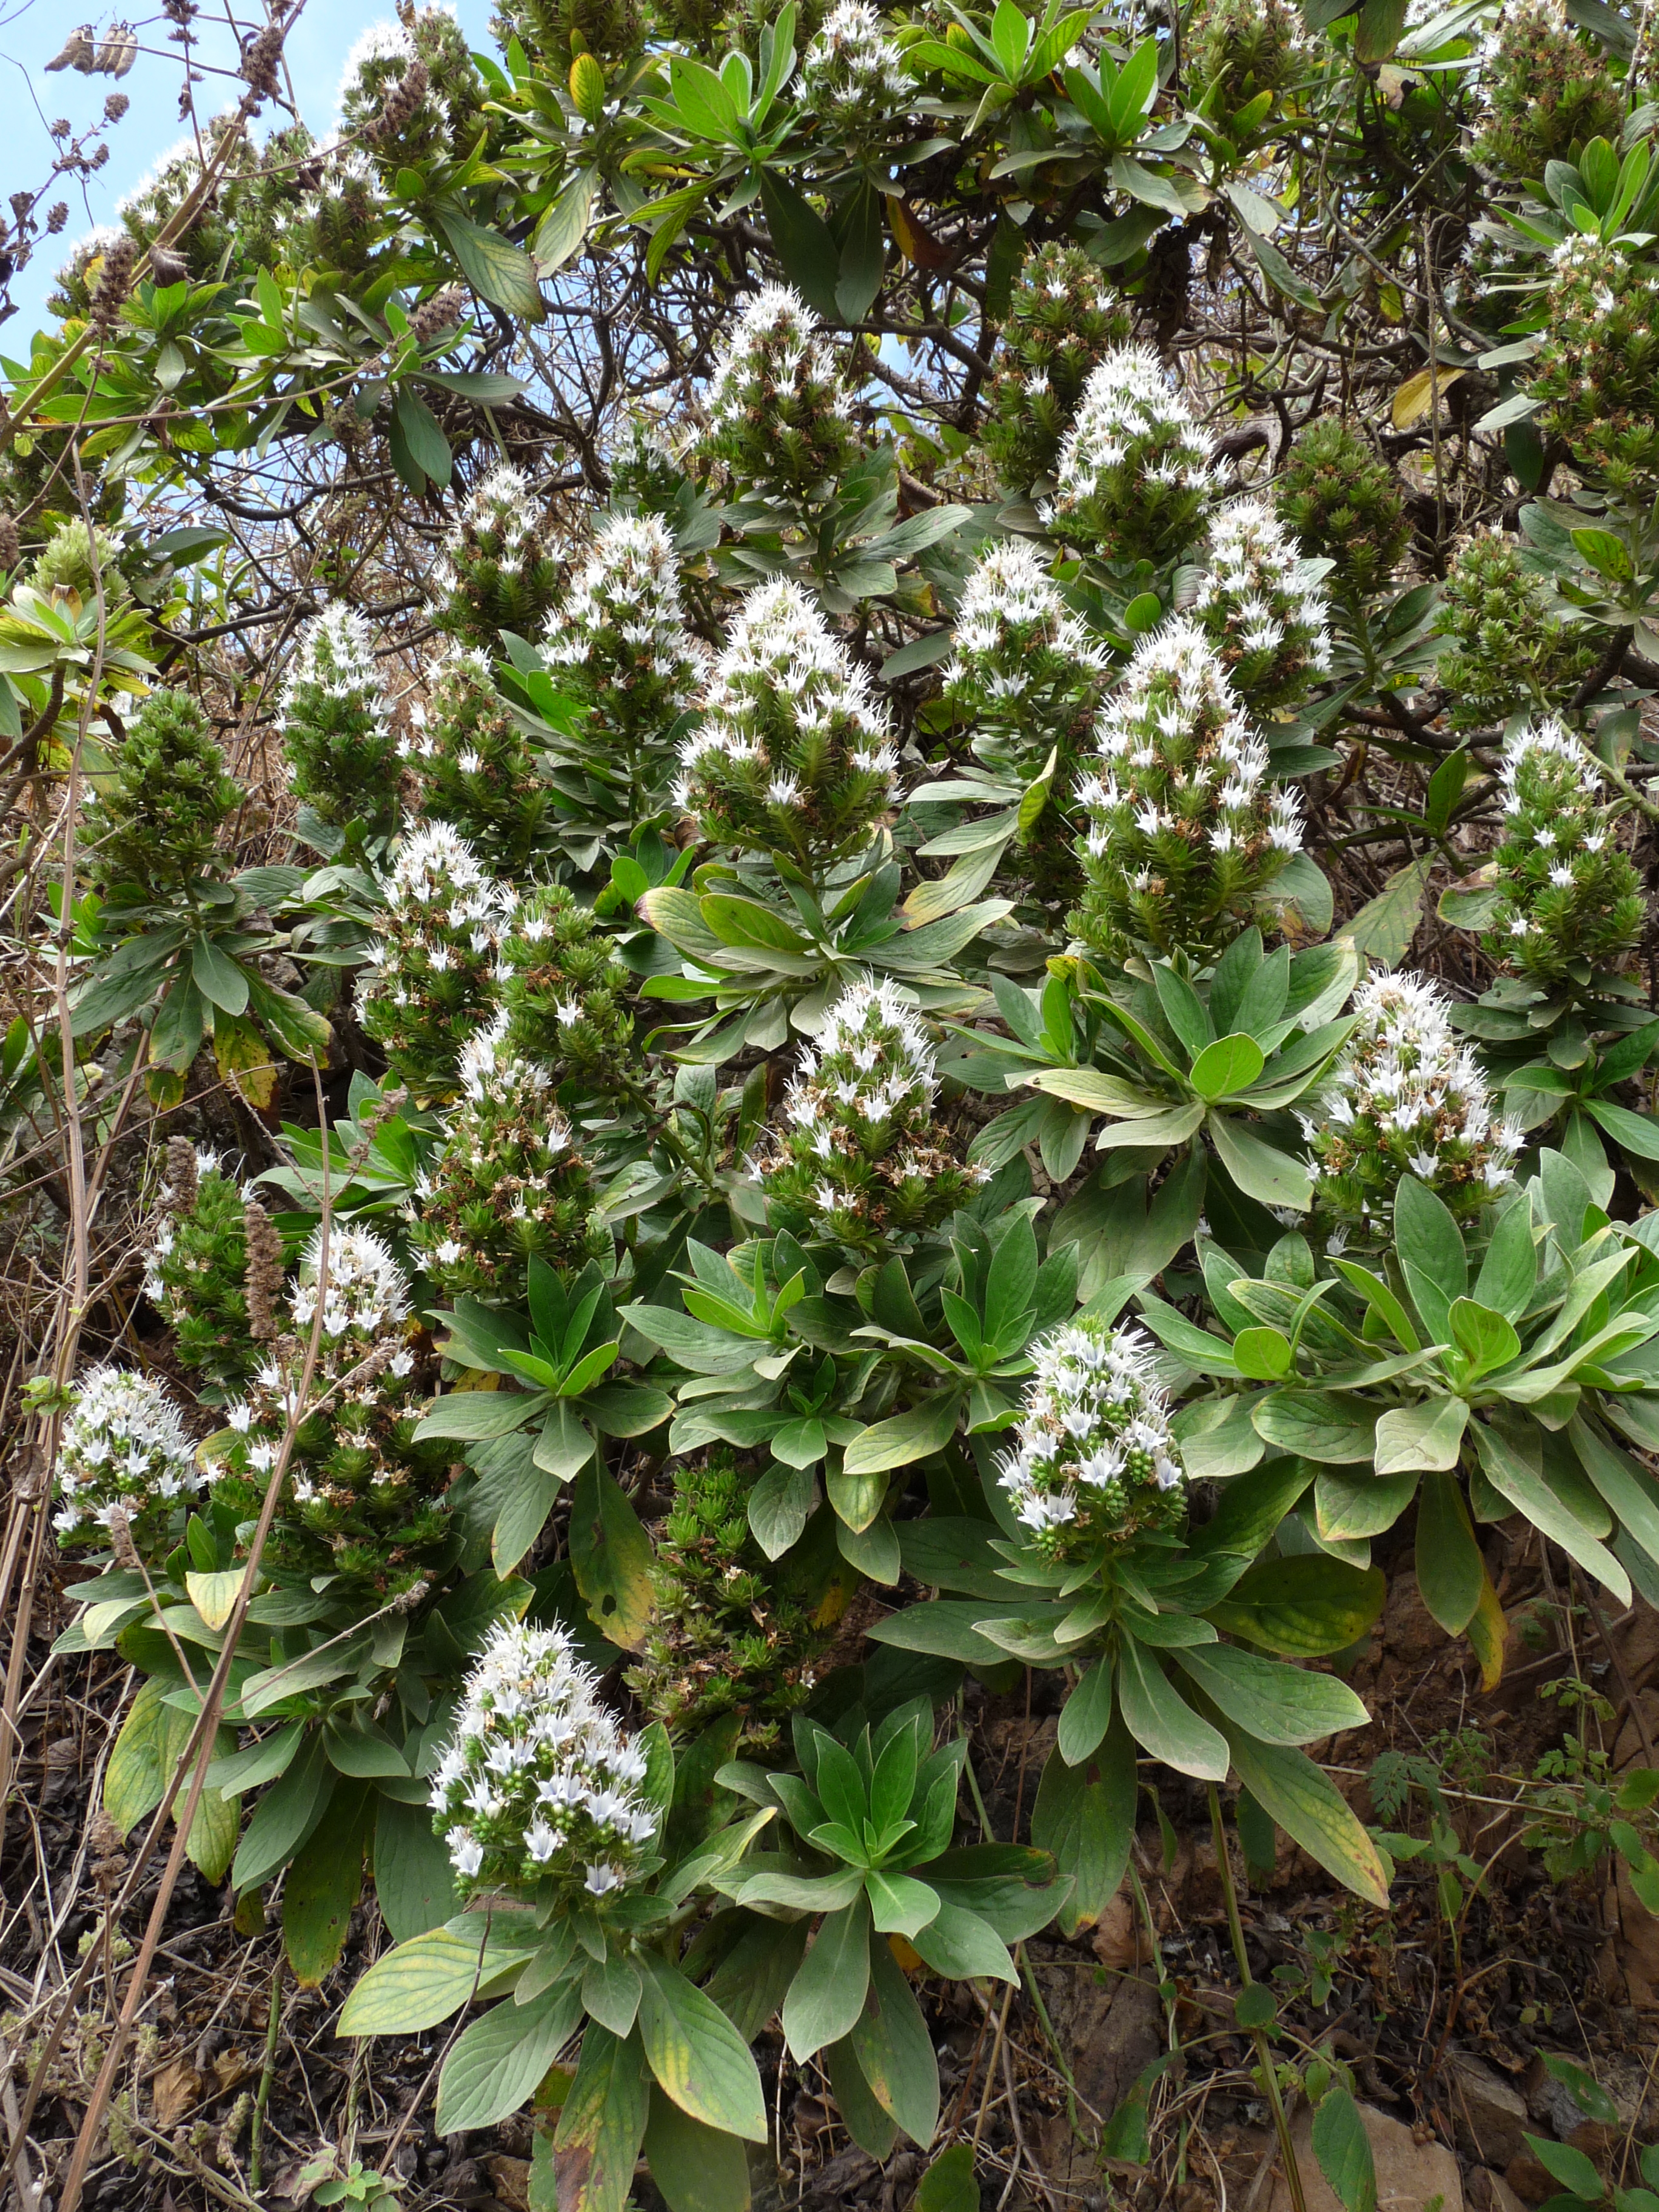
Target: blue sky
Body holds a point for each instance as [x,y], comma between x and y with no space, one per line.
[32,33]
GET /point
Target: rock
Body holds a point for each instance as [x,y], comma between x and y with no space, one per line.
[1489,2114]
[1110,2028]
[510,2179]
[1410,2175]
[1530,2178]
[1489,2193]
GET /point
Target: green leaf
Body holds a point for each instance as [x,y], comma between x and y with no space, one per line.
[827,1994]
[697,2168]
[500,2059]
[949,2185]
[414,1882]
[611,1992]
[1487,1339]
[1429,1435]
[1307,1806]
[1086,1714]
[1259,1170]
[1627,1487]
[779,1506]
[612,1555]
[1513,1479]
[804,244]
[1567,2166]
[945,1627]
[564,228]
[1384,927]
[217,976]
[476,1416]
[1303,1607]
[284,1816]
[1232,1064]
[1263,1354]
[1348,1504]
[894,2051]
[324,1884]
[497,271]
[696,2054]
[1162,1721]
[962,1947]
[868,2123]
[421,1982]
[426,444]
[1317,1425]
[1344,2151]
[1451,1573]
[602,2124]
[926,1429]
[1277,1704]
[1431,1254]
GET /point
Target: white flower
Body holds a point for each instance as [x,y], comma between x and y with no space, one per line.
[1093,1438]
[123,1444]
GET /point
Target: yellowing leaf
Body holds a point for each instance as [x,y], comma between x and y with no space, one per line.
[1413,399]
[1485,1635]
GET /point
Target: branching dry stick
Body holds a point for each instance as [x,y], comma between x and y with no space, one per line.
[200,1748]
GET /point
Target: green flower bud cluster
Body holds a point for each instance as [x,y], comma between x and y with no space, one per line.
[123,1451]
[645,475]
[153,824]
[1546,88]
[1245,47]
[1597,368]
[728,1636]
[1405,1098]
[1133,472]
[196,1270]
[1062,322]
[64,563]
[1506,651]
[564,991]
[853,81]
[780,416]
[1264,617]
[792,753]
[428,984]
[362,1503]
[1343,505]
[1571,894]
[538,1793]
[860,1160]
[1094,1462]
[501,569]
[552,30]
[619,641]
[511,1185]
[337,730]
[1185,831]
[472,763]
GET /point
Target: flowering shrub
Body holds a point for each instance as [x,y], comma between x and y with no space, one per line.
[1595,367]
[511,1184]
[1062,322]
[1184,832]
[538,1794]
[196,1266]
[336,728]
[1344,505]
[1510,652]
[1133,472]
[728,1638]
[1094,1464]
[1544,90]
[862,1159]
[473,764]
[125,1451]
[779,413]
[619,639]
[153,827]
[361,1502]
[851,77]
[1407,1098]
[1570,896]
[791,751]
[563,990]
[429,983]
[1264,617]
[503,568]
